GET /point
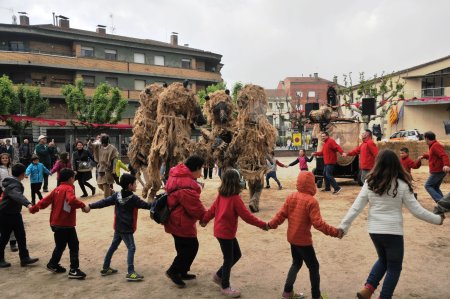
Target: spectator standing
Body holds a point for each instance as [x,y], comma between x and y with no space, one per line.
[9,149]
[367,152]
[106,155]
[45,153]
[25,152]
[329,153]
[2,147]
[438,163]
[82,155]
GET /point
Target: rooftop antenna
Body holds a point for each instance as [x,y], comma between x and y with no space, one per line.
[14,18]
[112,28]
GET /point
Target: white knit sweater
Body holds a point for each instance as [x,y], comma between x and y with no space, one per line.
[385,212]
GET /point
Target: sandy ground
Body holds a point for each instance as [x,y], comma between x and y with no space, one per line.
[266,258]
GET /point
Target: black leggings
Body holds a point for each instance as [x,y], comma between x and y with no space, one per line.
[187,248]
[84,183]
[231,255]
[35,189]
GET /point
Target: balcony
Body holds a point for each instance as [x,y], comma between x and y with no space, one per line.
[55,92]
[428,93]
[106,66]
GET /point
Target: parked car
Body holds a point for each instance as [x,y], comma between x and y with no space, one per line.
[406,135]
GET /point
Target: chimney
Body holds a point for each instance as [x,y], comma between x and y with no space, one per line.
[101,29]
[24,19]
[174,39]
[63,22]
[316,76]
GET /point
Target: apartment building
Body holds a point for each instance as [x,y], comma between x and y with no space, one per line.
[52,55]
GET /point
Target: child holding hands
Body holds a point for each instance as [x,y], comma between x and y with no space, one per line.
[63,222]
[226,209]
[302,211]
[125,213]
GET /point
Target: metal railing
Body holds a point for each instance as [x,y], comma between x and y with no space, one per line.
[432,92]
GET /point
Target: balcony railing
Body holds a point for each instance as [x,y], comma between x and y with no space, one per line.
[427,93]
[433,92]
[39,51]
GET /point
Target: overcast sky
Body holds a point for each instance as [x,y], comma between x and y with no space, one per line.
[264,41]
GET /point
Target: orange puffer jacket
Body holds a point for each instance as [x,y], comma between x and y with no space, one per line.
[302,211]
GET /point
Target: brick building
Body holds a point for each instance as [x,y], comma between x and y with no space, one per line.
[52,55]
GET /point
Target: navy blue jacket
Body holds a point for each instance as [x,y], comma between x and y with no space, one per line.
[125,211]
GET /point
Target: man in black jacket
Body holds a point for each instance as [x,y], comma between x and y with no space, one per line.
[11,217]
[25,152]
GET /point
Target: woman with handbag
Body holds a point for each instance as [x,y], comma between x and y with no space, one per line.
[83,168]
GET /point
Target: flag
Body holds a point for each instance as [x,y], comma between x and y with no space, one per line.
[400,113]
[393,115]
[297,139]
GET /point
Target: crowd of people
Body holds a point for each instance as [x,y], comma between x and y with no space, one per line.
[387,188]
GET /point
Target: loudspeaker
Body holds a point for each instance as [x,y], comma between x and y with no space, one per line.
[369,106]
[447,126]
[331,96]
[310,107]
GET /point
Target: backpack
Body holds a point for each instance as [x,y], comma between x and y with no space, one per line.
[160,211]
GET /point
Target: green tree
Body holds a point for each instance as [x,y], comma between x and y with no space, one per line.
[386,89]
[235,91]
[210,89]
[23,100]
[105,107]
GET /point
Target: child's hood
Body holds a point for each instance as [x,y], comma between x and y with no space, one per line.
[11,182]
[124,196]
[306,183]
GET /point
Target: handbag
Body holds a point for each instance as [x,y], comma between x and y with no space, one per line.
[84,166]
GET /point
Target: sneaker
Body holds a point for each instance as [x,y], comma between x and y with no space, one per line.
[176,279]
[45,190]
[4,264]
[337,190]
[292,295]
[232,293]
[187,276]
[267,187]
[28,261]
[76,274]
[13,247]
[325,190]
[217,280]
[84,195]
[134,276]
[109,271]
[438,210]
[56,268]
[280,187]
[93,191]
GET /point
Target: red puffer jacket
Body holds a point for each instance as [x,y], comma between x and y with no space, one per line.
[184,201]
[329,150]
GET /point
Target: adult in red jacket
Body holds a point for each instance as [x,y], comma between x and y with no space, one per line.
[184,202]
[438,163]
[329,153]
[367,152]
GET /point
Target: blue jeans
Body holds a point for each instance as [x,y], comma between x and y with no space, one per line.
[390,259]
[273,175]
[329,179]
[433,183]
[128,239]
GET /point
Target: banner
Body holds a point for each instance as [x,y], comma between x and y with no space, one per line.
[297,139]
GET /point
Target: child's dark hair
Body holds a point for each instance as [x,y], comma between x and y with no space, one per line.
[64,157]
[9,159]
[386,171]
[230,183]
[34,157]
[65,174]
[405,150]
[194,162]
[126,179]
[17,170]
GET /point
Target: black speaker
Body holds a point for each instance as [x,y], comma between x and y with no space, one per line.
[369,106]
[310,107]
[447,126]
[331,96]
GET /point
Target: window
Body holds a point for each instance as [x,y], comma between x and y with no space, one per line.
[270,106]
[139,84]
[89,81]
[110,54]
[186,63]
[311,94]
[112,81]
[299,94]
[16,46]
[281,106]
[139,58]
[87,52]
[159,60]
